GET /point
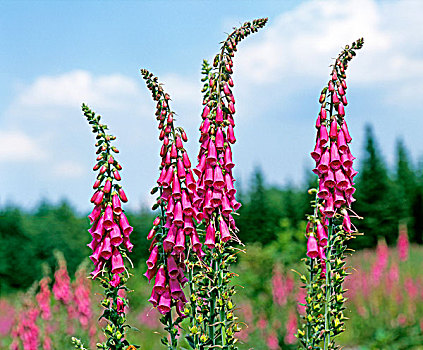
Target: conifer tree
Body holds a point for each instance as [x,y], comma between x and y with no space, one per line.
[374,195]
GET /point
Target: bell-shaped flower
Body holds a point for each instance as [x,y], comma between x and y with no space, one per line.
[219,139]
[321,234]
[180,169]
[229,184]
[172,268]
[339,199]
[185,160]
[188,224]
[211,154]
[208,175]
[201,166]
[219,114]
[210,236]
[169,241]
[329,180]
[344,128]
[333,132]
[329,209]
[206,111]
[323,190]
[312,247]
[323,165]
[117,262]
[151,262]
[164,302]
[195,241]
[124,225]
[231,135]
[95,213]
[117,209]
[186,204]
[323,135]
[176,189]
[189,181]
[106,248]
[168,178]
[342,144]
[160,281]
[229,164]
[180,241]
[335,161]
[175,289]
[345,160]
[341,180]
[154,298]
[115,235]
[178,218]
[316,154]
[150,273]
[224,231]
[218,182]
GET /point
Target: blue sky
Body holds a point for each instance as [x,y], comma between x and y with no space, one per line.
[56,55]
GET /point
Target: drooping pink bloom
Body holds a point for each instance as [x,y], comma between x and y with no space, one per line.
[210,236]
[117,262]
[312,251]
[164,302]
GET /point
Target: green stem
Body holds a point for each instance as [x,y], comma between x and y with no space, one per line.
[328,288]
[171,325]
[222,314]
[212,329]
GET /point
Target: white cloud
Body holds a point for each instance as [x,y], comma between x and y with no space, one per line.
[69,170]
[301,42]
[16,146]
[72,88]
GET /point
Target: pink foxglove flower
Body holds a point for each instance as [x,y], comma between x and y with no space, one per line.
[174,229]
[330,227]
[110,233]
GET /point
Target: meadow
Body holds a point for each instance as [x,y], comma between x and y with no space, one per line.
[384,306]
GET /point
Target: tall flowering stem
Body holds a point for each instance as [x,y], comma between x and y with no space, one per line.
[174,232]
[110,232]
[329,228]
[212,320]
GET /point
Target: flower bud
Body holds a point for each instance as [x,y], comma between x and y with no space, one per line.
[122,195]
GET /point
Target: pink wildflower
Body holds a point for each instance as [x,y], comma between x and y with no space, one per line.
[403,244]
[291,328]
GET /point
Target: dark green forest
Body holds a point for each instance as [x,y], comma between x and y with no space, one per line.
[270,216]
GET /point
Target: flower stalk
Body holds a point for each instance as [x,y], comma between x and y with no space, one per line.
[212,320]
[110,231]
[174,234]
[329,228]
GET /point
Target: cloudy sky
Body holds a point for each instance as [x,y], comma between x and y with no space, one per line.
[56,55]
